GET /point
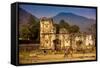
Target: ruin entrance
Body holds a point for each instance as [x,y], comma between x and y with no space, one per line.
[57,44]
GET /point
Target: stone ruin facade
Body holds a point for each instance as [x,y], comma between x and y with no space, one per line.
[49,39]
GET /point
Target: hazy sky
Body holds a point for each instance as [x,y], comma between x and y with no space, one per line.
[49,11]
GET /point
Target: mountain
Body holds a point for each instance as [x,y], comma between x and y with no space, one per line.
[71,18]
[74,19]
[25,17]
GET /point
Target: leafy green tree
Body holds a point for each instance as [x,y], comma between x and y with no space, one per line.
[35,31]
[24,32]
[30,30]
[74,29]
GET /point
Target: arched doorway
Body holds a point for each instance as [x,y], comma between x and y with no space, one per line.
[57,44]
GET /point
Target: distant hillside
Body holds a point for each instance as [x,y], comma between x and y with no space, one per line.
[74,19]
[25,16]
[71,18]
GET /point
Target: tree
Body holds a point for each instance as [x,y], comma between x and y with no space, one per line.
[24,32]
[35,31]
[30,30]
[74,29]
[64,24]
[71,29]
[34,28]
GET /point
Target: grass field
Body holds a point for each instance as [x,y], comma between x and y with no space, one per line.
[31,57]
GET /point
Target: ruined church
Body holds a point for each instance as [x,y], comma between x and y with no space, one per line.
[50,39]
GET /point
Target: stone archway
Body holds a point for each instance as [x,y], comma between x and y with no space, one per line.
[57,44]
